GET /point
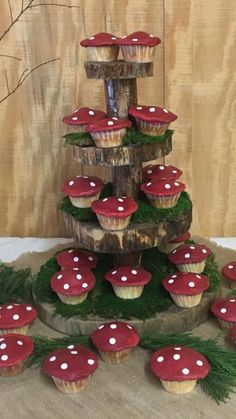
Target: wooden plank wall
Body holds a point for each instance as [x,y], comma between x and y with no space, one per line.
[194,76]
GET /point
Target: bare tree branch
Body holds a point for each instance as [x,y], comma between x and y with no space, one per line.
[16,19]
[24,76]
[22,5]
[10,10]
[55,4]
[10,56]
[7,82]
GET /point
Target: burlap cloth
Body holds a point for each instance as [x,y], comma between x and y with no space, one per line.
[119,391]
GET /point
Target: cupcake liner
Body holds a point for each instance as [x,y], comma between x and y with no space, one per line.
[186,301]
[72,299]
[150,128]
[113,223]
[78,128]
[84,201]
[226,325]
[117,357]
[197,268]
[178,387]
[163,201]
[105,53]
[70,386]
[128,293]
[138,53]
[108,139]
[14,370]
[20,330]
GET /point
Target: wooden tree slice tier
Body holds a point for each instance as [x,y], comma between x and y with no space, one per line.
[174,320]
[122,156]
[133,238]
[117,70]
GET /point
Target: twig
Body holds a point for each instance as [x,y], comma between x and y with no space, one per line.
[55,4]
[11,56]
[22,5]
[10,9]
[16,19]
[24,76]
[7,82]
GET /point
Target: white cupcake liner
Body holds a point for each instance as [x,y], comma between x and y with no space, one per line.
[197,268]
[108,139]
[105,53]
[70,386]
[20,330]
[112,223]
[163,201]
[116,357]
[226,325]
[13,370]
[128,293]
[78,128]
[72,299]
[150,128]
[138,53]
[178,387]
[84,201]
[186,301]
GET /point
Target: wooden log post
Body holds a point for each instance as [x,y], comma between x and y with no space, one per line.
[120,95]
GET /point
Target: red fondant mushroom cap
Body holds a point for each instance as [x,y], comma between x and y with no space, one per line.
[83,116]
[76,259]
[128,276]
[115,336]
[71,364]
[225,309]
[162,187]
[179,363]
[189,253]
[112,206]
[186,283]
[160,171]
[14,348]
[73,282]
[16,315]
[109,124]
[80,186]
[233,334]
[182,238]
[101,39]
[139,38]
[153,114]
[229,271]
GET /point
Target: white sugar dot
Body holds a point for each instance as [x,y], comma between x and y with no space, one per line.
[151,109]
[191,284]
[90,361]
[91,113]
[16,317]
[105,199]
[232,301]
[4,357]
[90,258]
[185,371]
[151,36]
[174,276]
[135,39]
[160,359]
[149,184]
[120,208]
[3,346]
[176,183]
[174,171]
[71,183]
[230,266]
[78,276]
[85,177]
[19,342]
[134,272]
[115,118]
[59,276]
[149,172]
[178,348]
[92,184]
[110,123]
[76,259]
[1,339]
[29,308]
[176,357]
[9,307]
[66,286]
[199,363]
[113,326]
[120,200]
[167,186]
[64,366]
[112,341]
[223,310]
[74,118]
[174,251]
[53,358]
[113,37]
[129,327]
[73,352]
[165,110]
[71,346]
[75,269]
[198,276]
[123,278]
[187,255]
[161,167]
[71,250]
[101,327]
[170,281]
[192,247]
[85,285]
[204,251]
[114,272]
[92,37]
[139,108]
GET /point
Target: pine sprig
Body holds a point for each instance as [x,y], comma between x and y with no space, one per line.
[15,285]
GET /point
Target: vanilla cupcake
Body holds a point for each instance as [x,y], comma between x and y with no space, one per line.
[163,194]
[76,259]
[82,190]
[101,47]
[128,282]
[190,257]
[229,273]
[81,117]
[138,47]
[173,244]
[225,311]
[152,120]
[16,318]
[15,350]
[159,172]
[109,132]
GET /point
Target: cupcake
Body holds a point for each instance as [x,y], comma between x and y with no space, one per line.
[138,47]
[114,213]
[159,172]
[233,334]
[152,120]
[186,288]
[229,273]
[163,194]
[81,117]
[16,318]
[15,350]
[101,47]
[75,259]
[82,190]
[225,311]
[128,282]
[115,341]
[190,257]
[72,286]
[109,132]
[179,368]
[173,244]
[71,368]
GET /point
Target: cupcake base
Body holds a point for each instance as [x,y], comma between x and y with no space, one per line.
[138,53]
[163,201]
[117,357]
[106,53]
[128,293]
[83,201]
[150,128]
[108,139]
[70,386]
[72,299]
[20,330]
[227,326]
[14,370]
[186,301]
[179,387]
[197,268]
[112,223]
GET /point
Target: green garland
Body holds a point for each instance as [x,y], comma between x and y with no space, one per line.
[15,285]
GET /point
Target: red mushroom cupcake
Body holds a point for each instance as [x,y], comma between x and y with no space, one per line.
[82,190]
[101,47]
[173,244]
[114,213]
[109,132]
[16,318]
[71,368]
[115,341]
[138,47]
[225,311]
[152,120]
[190,257]
[160,171]
[72,286]
[229,273]
[15,350]
[75,259]
[128,282]
[186,288]
[81,117]
[179,368]
[163,194]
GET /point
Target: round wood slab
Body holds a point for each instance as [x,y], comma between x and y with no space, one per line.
[117,70]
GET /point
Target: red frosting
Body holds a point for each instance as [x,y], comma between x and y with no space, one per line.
[113,206]
[178,363]
[153,114]
[128,276]
[139,38]
[115,336]
[181,239]
[71,364]
[14,348]
[101,39]
[73,282]
[80,186]
[186,283]
[189,253]
[83,116]
[109,124]
[16,315]
[229,271]
[233,334]
[163,187]
[76,259]
[160,172]
[225,309]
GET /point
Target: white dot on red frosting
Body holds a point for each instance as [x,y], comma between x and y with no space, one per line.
[71,250]
[129,327]
[170,281]
[9,307]
[176,357]
[160,359]
[112,341]
[191,284]
[110,123]
[174,276]
[151,36]
[3,346]
[74,352]
[204,251]
[199,363]
[71,346]
[135,39]
[75,269]
[149,183]
[174,251]
[232,301]
[91,113]
[161,167]
[76,259]
[19,342]
[105,199]
[167,186]
[134,272]
[90,361]
[192,247]
[64,366]
[187,255]
[4,357]
[151,109]
[71,183]
[120,200]
[113,326]
[66,286]
[120,208]
[165,110]
[74,118]
[101,327]
[53,358]
[78,276]
[185,371]
[92,184]
[29,308]
[223,310]
[177,348]
[149,172]
[176,183]
[16,317]
[123,278]
[174,171]
[1,339]
[92,37]
[113,272]
[113,37]
[115,118]
[90,258]
[85,285]
[85,177]
[230,266]
[59,276]
[139,108]
[198,276]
